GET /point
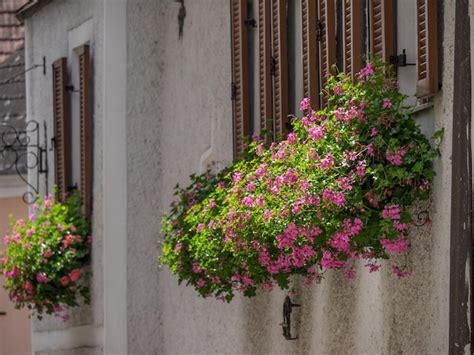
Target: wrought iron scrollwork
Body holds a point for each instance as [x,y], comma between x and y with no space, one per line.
[21,151]
[422,218]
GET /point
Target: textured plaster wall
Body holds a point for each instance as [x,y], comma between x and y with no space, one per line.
[47,35]
[178,110]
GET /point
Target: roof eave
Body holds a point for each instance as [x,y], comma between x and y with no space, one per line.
[29,9]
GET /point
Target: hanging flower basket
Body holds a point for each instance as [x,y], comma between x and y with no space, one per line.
[44,257]
[337,190]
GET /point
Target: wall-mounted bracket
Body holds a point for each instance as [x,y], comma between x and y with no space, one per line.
[400,60]
[286,325]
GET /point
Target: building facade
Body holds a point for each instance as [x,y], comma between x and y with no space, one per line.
[161,83]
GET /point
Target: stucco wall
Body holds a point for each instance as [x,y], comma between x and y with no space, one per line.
[179,108]
[48,33]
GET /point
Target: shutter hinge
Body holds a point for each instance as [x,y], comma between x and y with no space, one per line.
[251,22]
[233,89]
[319,30]
[273,64]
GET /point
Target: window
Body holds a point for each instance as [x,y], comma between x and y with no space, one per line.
[300,43]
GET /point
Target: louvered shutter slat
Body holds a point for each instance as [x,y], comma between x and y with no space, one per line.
[265,63]
[427,60]
[310,52]
[280,75]
[352,39]
[241,121]
[382,39]
[327,47]
[61,128]
[85,128]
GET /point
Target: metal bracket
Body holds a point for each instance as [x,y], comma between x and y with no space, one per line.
[400,60]
[319,30]
[22,151]
[286,325]
[251,22]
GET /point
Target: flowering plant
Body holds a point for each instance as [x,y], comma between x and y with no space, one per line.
[337,190]
[44,256]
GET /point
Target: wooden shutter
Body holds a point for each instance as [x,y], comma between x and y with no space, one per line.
[327,42]
[382,40]
[265,66]
[427,56]
[62,163]
[280,68]
[240,75]
[86,139]
[310,58]
[352,39]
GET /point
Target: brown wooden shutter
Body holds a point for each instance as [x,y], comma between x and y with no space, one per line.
[280,68]
[265,67]
[352,39]
[309,21]
[62,151]
[427,56]
[382,39]
[240,75]
[327,43]
[86,139]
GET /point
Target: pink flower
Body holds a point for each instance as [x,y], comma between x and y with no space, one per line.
[338,90]
[391,212]
[200,227]
[366,71]
[373,267]
[196,268]
[399,272]
[260,201]
[28,287]
[212,203]
[327,161]
[291,138]
[41,278]
[247,281]
[329,261]
[47,254]
[248,201]
[178,247]
[30,232]
[304,104]
[395,158]
[261,170]
[350,274]
[64,280]
[387,103]
[267,286]
[74,275]
[251,186]
[398,246]
[360,169]
[266,215]
[370,149]
[316,133]
[201,282]
[373,132]
[236,176]
[47,201]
